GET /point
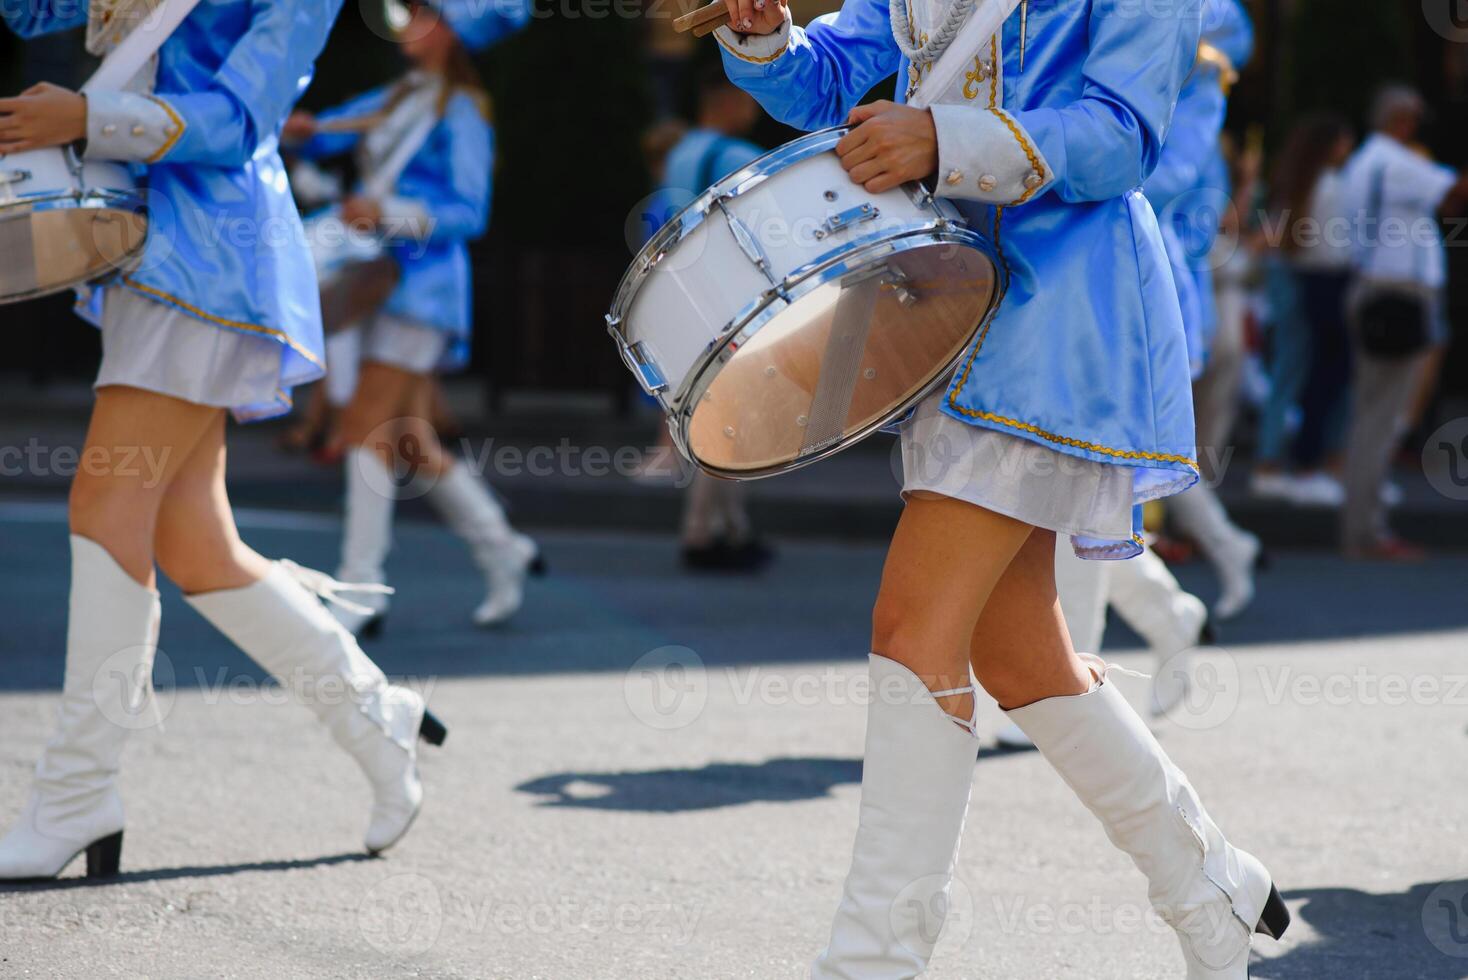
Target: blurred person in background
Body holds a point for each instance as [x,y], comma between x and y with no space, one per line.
[1190,192]
[716,534]
[438,202]
[1395,306]
[1309,274]
[203,328]
[1216,392]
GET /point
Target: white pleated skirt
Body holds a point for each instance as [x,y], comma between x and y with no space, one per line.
[155,347]
[1015,477]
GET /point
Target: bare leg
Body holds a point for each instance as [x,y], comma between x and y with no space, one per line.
[136,443]
[944,562]
[1021,650]
[198,545]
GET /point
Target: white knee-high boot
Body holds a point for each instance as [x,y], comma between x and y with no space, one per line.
[503,555]
[1232,551]
[1147,595]
[366,537]
[280,622]
[74,806]
[915,782]
[1213,894]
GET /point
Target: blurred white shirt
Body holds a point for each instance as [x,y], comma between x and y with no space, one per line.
[1330,244]
[1397,237]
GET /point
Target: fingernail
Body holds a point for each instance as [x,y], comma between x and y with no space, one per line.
[748,23]
[759,4]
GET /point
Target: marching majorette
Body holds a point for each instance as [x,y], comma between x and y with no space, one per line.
[204,327]
[1041,121]
[425,147]
[1189,190]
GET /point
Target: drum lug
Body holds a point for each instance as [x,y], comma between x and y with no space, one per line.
[847,219]
[634,355]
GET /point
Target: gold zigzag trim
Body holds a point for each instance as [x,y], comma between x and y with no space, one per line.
[178,130]
[271,332]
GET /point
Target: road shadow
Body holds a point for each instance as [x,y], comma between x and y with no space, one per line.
[709,787]
[173,874]
[718,784]
[1421,933]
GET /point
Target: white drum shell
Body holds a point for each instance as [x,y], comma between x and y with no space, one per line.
[707,282]
[40,182]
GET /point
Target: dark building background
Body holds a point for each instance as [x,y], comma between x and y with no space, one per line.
[573,94]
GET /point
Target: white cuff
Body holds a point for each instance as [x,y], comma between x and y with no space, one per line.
[757,49]
[129,127]
[405,219]
[984,155]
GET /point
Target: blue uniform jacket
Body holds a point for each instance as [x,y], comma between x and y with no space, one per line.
[226,244]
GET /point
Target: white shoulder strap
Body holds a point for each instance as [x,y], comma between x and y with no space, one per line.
[129,57]
[382,182]
[986,20]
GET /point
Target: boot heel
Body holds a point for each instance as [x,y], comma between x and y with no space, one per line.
[104,856]
[372,629]
[1276,917]
[432,730]
[539,567]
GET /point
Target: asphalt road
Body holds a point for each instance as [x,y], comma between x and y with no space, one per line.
[656,776]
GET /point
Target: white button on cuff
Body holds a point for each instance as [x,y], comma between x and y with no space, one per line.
[988,182]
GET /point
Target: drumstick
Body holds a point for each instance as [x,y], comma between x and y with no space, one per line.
[708,13]
[707,28]
[354,124]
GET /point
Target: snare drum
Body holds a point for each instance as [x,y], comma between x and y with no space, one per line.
[65,222]
[788,313]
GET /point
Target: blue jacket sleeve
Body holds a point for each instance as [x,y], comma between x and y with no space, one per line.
[253,91]
[822,71]
[335,144]
[32,18]
[1109,140]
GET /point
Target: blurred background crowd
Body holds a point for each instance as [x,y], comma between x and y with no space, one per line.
[593,106]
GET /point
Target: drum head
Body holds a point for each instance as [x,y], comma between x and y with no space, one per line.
[856,348]
[47,251]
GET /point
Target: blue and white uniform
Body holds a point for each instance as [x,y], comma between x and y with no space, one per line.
[1190,187]
[224,308]
[439,204]
[1074,404]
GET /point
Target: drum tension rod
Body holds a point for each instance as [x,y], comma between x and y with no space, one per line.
[748,244]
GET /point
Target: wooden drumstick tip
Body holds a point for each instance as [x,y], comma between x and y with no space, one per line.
[708,13]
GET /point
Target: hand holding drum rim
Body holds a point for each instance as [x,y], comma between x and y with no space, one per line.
[888,145]
[42,116]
